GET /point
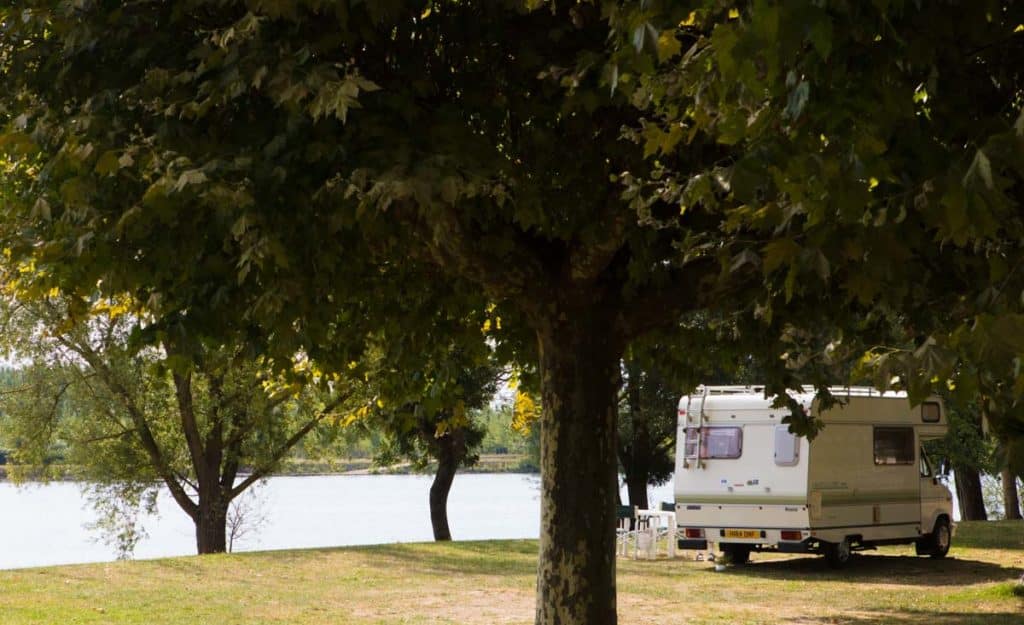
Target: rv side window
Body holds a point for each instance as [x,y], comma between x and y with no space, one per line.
[930,412]
[894,445]
[714,442]
[787,447]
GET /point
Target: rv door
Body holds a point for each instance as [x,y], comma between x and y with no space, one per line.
[933,494]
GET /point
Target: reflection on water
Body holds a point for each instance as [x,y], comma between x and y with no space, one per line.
[46,524]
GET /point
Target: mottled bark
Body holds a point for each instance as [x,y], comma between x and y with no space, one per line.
[1011,497]
[447,464]
[211,526]
[968,493]
[579,361]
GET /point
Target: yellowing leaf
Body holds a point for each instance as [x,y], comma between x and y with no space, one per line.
[690,20]
[734,14]
[668,45]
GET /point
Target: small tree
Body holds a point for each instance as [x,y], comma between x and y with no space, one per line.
[245,516]
[206,428]
[439,427]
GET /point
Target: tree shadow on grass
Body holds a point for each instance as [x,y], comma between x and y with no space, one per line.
[885,569]
[913,617]
[471,558]
[493,557]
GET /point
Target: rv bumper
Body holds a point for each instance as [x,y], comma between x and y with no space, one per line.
[693,543]
[794,547]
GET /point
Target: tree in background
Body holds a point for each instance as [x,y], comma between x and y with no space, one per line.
[438,427]
[208,427]
[968,452]
[1008,457]
[646,429]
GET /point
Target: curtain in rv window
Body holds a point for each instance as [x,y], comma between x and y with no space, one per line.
[894,445]
[714,442]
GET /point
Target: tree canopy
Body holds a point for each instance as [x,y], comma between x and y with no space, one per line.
[285,171]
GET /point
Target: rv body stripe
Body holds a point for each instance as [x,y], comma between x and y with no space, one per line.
[873,497]
[780,500]
[827,499]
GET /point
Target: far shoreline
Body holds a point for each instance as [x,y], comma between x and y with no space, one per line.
[488,463]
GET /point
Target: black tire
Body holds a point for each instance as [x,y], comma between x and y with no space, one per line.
[736,554]
[940,539]
[838,554]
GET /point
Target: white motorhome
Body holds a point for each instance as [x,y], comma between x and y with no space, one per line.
[745,483]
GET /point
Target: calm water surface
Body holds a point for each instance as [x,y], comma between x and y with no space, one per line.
[46,524]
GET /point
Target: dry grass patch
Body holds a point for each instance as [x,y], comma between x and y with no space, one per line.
[484,583]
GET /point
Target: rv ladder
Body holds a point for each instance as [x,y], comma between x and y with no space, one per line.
[693,454]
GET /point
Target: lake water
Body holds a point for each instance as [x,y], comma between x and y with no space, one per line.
[44,524]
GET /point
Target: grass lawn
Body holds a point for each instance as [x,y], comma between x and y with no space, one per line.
[493,582]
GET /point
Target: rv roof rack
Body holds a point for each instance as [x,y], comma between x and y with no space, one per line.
[729,390]
[736,389]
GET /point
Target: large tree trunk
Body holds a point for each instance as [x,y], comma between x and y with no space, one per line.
[447,465]
[579,366]
[1011,498]
[968,493]
[211,524]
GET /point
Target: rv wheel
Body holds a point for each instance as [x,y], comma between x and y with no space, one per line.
[941,538]
[838,554]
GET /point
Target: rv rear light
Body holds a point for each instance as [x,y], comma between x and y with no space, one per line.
[790,535]
[694,533]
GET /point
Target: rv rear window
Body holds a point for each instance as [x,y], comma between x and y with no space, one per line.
[894,445]
[714,442]
[787,447]
[930,412]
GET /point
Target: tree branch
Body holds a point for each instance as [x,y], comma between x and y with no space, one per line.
[453,245]
[588,261]
[662,304]
[145,435]
[189,426]
[261,472]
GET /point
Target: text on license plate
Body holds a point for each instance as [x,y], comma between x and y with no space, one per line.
[742,533]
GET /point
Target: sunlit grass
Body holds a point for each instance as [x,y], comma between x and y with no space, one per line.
[493,582]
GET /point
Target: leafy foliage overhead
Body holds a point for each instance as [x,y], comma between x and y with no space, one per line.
[872,164]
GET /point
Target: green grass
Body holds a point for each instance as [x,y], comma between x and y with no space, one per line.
[493,582]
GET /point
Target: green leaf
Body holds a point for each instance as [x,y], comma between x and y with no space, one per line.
[724,40]
[778,253]
[984,168]
[108,164]
[821,36]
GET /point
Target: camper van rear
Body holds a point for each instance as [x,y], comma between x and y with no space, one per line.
[745,483]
